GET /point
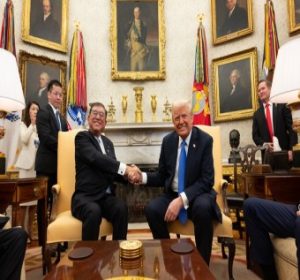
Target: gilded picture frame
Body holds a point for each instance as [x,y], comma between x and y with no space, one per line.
[235,80]
[231,22]
[45,23]
[294,16]
[137,40]
[36,72]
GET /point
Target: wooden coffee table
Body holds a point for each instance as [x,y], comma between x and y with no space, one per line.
[158,262]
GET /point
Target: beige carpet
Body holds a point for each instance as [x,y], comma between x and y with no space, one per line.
[218,266]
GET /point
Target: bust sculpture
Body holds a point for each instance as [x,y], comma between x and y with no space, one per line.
[234,140]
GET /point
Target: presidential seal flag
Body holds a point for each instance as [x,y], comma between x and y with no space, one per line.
[201,108]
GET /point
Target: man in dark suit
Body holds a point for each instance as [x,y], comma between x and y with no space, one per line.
[13,243]
[198,198]
[236,19]
[281,122]
[96,169]
[263,217]
[235,97]
[45,26]
[49,122]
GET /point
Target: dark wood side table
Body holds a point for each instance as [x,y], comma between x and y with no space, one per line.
[281,187]
[16,191]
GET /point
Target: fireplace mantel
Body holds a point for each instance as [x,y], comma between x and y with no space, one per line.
[138,143]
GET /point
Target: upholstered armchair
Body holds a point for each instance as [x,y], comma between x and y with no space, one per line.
[64,226]
[223,231]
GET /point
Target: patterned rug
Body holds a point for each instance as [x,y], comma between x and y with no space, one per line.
[218,265]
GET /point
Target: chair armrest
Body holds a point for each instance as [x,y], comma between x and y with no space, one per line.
[224,186]
[56,189]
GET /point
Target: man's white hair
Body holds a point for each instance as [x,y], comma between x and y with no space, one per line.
[182,103]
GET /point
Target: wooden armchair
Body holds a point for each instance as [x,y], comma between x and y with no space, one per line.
[222,231]
[65,227]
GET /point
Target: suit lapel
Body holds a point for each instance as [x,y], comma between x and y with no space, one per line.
[94,141]
[173,156]
[52,116]
[193,145]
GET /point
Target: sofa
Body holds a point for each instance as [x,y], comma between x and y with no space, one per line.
[285,257]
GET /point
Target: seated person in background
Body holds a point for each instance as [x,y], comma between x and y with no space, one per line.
[186,171]
[96,167]
[26,159]
[12,252]
[263,217]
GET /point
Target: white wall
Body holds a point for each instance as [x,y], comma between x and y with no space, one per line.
[181,26]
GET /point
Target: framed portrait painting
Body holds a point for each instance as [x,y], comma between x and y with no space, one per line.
[294,15]
[235,79]
[45,23]
[138,40]
[36,72]
[231,19]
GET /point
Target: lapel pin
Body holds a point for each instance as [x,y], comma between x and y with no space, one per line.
[194,146]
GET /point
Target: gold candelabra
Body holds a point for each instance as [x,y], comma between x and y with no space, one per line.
[111,112]
[167,111]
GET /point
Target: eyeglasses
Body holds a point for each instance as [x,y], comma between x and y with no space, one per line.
[96,114]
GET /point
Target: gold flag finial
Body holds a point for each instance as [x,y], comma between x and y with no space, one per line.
[77,24]
[200,17]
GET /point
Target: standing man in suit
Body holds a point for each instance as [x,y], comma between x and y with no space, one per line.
[186,171]
[280,124]
[96,169]
[263,217]
[49,122]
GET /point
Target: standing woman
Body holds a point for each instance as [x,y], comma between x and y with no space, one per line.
[26,162]
[29,142]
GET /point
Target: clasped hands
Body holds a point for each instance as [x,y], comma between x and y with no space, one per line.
[134,174]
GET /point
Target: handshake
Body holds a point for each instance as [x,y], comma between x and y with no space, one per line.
[134,174]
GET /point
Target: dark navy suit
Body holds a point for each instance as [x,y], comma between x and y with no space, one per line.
[265,216]
[199,181]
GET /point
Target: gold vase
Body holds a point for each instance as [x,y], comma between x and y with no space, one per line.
[153,107]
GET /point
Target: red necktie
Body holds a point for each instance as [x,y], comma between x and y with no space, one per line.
[269,121]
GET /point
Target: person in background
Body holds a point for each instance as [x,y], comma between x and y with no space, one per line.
[49,122]
[186,171]
[26,160]
[280,124]
[96,169]
[29,142]
[263,217]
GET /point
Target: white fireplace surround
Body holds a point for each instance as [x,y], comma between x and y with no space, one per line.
[138,143]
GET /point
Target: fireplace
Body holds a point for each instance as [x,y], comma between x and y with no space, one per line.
[139,144]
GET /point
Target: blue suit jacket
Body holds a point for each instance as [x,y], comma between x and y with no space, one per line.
[199,168]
